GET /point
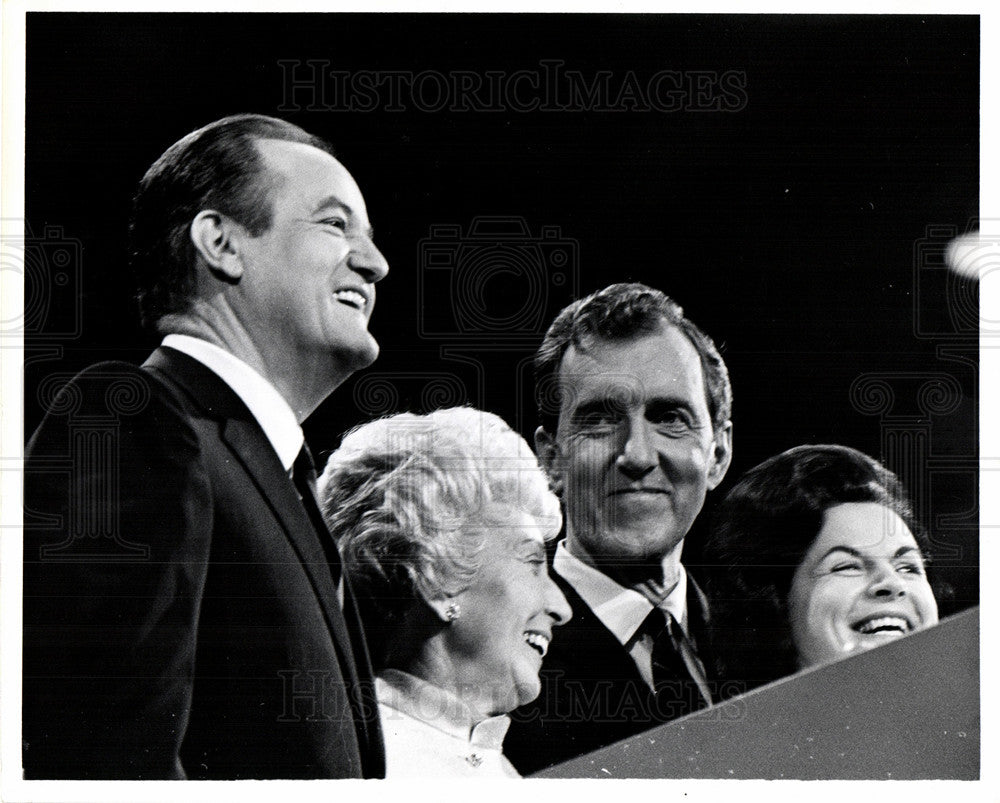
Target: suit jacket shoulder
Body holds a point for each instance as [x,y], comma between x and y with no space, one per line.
[180,616]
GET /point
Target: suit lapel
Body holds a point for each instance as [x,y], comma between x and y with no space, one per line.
[699,616]
[366,702]
[258,458]
[585,634]
[241,433]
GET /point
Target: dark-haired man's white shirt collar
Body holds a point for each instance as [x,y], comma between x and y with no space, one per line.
[268,407]
[621,610]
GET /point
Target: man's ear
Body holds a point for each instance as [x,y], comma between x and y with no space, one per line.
[722,455]
[214,236]
[550,457]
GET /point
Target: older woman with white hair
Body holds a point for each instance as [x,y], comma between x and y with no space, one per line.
[442,521]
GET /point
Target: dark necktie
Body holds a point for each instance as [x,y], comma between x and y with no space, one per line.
[676,668]
[304,477]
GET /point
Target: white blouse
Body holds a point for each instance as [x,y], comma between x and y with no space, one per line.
[430,733]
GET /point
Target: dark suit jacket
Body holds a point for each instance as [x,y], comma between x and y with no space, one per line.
[592,693]
[180,614]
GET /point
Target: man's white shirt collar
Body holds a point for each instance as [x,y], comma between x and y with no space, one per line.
[267,406]
[621,610]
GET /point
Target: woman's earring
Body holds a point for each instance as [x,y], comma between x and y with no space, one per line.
[453,611]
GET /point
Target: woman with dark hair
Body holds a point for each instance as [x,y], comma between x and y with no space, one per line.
[819,556]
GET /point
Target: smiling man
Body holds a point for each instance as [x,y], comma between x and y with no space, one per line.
[635,404]
[185,614]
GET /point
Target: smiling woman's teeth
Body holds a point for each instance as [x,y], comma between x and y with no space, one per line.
[538,641]
[884,624]
[351,297]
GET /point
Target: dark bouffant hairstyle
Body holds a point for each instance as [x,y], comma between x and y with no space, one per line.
[760,534]
[216,167]
[624,312]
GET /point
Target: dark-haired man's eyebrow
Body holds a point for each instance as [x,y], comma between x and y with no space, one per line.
[662,405]
[597,406]
[666,403]
[333,203]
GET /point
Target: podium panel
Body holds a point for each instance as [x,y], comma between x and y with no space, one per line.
[906,710]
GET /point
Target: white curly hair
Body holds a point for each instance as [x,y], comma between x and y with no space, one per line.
[411,499]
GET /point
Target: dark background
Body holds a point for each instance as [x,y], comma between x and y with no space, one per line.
[803,229]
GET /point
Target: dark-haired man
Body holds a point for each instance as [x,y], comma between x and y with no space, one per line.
[185,614]
[635,405]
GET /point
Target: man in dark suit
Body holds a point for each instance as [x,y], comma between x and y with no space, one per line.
[635,404]
[185,615]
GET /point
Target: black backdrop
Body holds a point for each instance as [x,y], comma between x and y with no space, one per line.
[791,180]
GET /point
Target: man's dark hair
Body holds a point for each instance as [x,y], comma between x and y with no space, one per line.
[216,167]
[759,536]
[624,312]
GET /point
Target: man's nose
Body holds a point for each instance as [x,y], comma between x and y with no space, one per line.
[886,583]
[638,456]
[367,260]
